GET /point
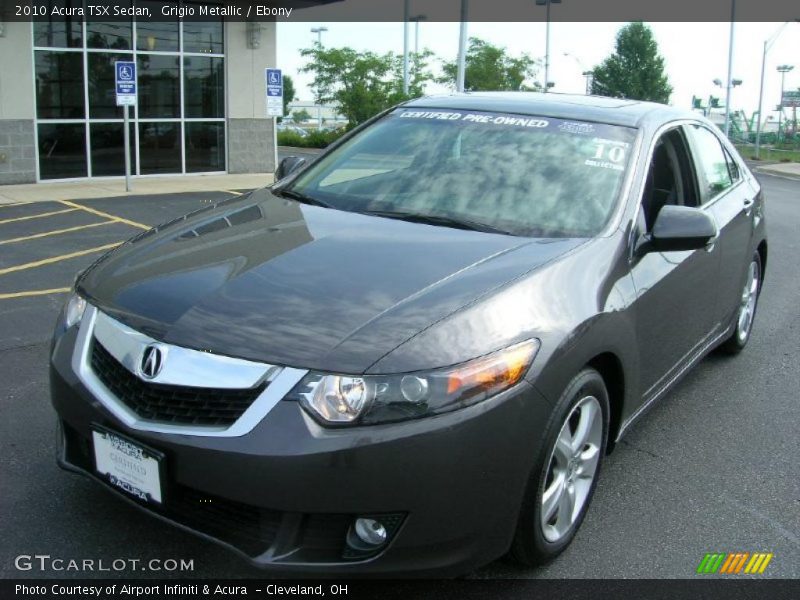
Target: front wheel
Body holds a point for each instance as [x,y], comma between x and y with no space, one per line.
[748,302]
[563,480]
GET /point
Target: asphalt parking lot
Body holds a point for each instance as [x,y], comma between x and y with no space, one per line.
[712,468]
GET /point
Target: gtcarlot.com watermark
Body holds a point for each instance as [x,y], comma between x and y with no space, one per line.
[47,563]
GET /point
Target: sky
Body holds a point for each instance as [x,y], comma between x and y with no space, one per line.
[695,53]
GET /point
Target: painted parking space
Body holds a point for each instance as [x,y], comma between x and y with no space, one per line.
[43,245]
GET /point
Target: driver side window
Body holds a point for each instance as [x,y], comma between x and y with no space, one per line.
[669,178]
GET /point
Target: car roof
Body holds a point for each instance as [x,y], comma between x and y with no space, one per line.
[600,109]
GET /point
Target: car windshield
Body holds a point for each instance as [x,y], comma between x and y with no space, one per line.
[515,174]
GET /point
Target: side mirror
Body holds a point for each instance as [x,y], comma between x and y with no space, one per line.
[679,228]
[288,165]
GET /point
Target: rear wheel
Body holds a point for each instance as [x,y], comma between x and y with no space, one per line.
[748,302]
[563,480]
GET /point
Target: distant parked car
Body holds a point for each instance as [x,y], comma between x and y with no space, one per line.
[292,128]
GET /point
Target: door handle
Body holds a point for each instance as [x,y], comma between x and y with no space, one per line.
[748,205]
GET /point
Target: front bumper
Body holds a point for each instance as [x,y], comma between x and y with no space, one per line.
[286,493]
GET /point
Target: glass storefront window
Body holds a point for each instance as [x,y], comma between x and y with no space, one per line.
[59,32]
[203,37]
[59,85]
[159,148]
[159,86]
[205,147]
[108,149]
[109,36]
[178,124]
[102,97]
[204,87]
[62,150]
[156,36]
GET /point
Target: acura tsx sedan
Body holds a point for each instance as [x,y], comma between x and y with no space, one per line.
[411,355]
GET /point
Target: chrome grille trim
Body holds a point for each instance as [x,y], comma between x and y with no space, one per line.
[184,367]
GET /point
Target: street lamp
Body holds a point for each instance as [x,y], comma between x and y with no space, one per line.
[767,45]
[547,3]
[730,70]
[319,31]
[416,19]
[462,47]
[783,70]
[405,47]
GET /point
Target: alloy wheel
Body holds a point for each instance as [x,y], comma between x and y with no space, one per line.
[572,468]
[747,307]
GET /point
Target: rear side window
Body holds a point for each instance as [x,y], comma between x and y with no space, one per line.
[733,168]
[712,163]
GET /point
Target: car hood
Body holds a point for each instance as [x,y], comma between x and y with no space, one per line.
[272,280]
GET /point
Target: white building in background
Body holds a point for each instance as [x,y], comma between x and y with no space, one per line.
[201,105]
[330,113]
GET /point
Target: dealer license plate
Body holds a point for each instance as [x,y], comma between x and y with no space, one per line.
[128,466]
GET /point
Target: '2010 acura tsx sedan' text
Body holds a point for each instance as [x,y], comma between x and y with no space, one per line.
[411,355]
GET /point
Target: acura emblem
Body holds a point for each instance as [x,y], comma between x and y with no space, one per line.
[152,362]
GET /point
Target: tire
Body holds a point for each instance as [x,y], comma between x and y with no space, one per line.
[748,303]
[538,540]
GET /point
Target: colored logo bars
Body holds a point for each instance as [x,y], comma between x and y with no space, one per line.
[734,563]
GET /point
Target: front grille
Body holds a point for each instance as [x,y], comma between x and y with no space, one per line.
[249,528]
[292,537]
[171,403]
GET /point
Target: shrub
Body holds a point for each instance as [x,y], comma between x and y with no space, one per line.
[314,139]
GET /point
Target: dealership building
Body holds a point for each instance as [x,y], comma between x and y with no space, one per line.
[201,98]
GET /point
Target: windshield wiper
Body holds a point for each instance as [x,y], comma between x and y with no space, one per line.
[430,219]
[302,198]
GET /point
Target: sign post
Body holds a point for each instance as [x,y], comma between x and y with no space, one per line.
[273,78]
[125,83]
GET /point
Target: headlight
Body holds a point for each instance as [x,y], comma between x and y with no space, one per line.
[73,311]
[346,399]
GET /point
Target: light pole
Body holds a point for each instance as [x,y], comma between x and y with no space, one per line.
[783,70]
[462,47]
[416,19]
[547,4]
[732,83]
[729,86]
[405,47]
[319,31]
[767,45]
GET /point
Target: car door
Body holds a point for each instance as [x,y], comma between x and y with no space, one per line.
[676,291]
[730,197]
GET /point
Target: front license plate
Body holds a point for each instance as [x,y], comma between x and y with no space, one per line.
[128,465]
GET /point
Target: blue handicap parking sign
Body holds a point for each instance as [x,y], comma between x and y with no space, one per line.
[274,82]
[125,82]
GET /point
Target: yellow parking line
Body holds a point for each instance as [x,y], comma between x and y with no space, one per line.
[34,293]
[15,204]
[55,259]
[39,216]
[54,232]
[231,192]
[100,213]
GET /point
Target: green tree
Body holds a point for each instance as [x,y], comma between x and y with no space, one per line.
[289,93]
[301,115]
[361,84]
[491,68]
[635,70]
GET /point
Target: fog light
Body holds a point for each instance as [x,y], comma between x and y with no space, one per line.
[370,531]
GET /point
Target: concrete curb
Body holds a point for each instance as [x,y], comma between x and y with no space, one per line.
[789,171]
[141,186]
